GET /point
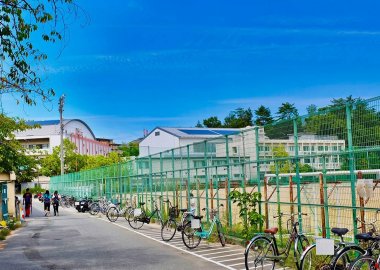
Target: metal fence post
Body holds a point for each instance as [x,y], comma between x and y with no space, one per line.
[278,202]
[298,178]
[206,179]
[326,198]
[258,169]
[188,177]
[352,165]
[229,205]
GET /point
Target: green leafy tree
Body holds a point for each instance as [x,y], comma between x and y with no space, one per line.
[12,154]
[212,122]
[247,203]
[239,118]
[129,150]
[287,111]
[263,116]
[20,58]
[51,164]
[100,161]
[312,109]
[285,163]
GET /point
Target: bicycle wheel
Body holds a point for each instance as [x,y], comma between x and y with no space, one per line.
[136,222]
[94,209]
[222,239]
[256,252]
[112,214]
[168,230]
[363,263]
[128,213]
[346,256]
[311,261]
[302,244]
[189,236]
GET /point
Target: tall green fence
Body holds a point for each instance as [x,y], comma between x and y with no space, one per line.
[309,164]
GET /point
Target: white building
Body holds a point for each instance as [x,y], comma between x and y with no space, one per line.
[242,146]
[164,138]
[41,141]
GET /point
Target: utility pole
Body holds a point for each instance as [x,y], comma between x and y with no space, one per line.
[61,104]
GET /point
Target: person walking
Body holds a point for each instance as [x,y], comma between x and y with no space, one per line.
[47,199]
[27,201]
[55,200]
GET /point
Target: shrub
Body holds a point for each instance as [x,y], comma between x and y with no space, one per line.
[247,202]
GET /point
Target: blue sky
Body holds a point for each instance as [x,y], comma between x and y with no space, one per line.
[140,64]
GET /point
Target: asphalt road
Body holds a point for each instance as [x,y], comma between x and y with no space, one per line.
[76,241]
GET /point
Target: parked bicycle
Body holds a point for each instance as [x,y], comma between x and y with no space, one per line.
[101,206]
[371,259]
[344,252]
[137,220]
[192,235]
[170,227]
[114,211]
[262,251]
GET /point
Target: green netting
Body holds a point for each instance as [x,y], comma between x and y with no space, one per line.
[307,164]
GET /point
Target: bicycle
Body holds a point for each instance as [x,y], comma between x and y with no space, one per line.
[170,227]
[192,235]
[368,261]
[263,250]
[101,206]
[344,253]
[114,211]
[136,221]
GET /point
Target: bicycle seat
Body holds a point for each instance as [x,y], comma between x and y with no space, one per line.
[183,210]
[339,231]
[198,217]
[141,204]
[272,231]
[366,237]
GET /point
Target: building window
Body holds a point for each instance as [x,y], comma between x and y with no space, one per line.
[306,148]
[144,164]
[200,148]
[335,148]
[234,150]
[199,163]
[320,148]
[307,160]
[291,148]
[157,133]
[326,148]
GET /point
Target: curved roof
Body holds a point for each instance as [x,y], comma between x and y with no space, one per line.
[78,120]
[56,123]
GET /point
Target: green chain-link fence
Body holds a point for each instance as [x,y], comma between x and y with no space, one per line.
[307,164]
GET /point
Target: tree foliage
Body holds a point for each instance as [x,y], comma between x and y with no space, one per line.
[212,122]
[129,150]
[263,116]
[247,203]
[74,162]
[20,20]
[239,118]
[12,154]
[287,111]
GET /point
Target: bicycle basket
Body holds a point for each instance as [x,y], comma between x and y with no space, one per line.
[173,212]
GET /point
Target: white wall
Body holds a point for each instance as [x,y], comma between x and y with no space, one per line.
[153,144]
[73,126]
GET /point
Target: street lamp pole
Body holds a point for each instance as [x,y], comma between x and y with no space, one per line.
[61,104]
